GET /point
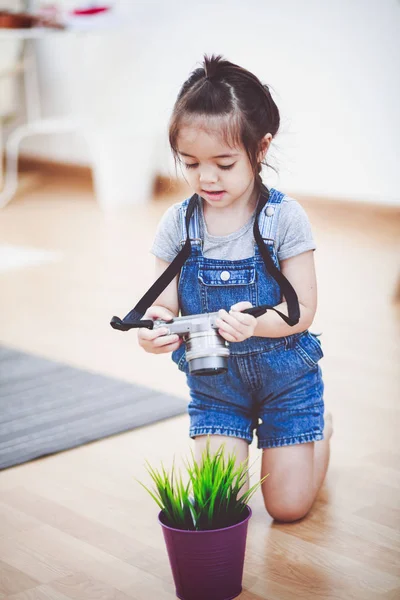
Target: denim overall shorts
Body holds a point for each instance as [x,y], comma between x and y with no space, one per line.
[273,385]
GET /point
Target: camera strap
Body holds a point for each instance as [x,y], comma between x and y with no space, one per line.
[286,287]
[134,318]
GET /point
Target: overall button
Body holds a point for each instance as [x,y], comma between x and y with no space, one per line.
[269,211]
[225,275]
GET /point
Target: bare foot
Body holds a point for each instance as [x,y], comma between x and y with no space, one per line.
[328,429]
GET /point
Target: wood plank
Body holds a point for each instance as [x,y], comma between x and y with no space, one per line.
[13,581]
[78,523]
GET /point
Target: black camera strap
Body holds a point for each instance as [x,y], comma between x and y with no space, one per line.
[134,318]
[286,287]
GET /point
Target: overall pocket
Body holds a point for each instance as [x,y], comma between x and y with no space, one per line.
[308,347]
[179,358]
[222,285]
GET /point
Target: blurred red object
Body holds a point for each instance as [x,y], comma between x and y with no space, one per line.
[94,10]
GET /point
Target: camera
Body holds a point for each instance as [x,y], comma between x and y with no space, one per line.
[207,352]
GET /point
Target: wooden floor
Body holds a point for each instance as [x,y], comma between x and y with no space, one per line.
[77,525]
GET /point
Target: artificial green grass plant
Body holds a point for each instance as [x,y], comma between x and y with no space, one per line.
[210,499]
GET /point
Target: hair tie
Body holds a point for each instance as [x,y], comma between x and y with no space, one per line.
[211,67]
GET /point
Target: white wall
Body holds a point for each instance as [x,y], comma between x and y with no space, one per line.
[334,67]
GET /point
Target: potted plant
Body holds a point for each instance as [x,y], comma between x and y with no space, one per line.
[204,523]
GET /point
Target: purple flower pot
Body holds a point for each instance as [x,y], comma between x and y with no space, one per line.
[207,565]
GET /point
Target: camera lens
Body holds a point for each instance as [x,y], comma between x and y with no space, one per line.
[207,353]
[208,365]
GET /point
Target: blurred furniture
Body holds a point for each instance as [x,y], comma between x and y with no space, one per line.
[10,67]
[35,124]
[91,71]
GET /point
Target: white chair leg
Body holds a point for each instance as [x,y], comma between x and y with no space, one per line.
[11,171]
[45,126]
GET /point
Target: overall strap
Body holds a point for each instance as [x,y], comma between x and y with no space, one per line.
[194,225]
[269,216]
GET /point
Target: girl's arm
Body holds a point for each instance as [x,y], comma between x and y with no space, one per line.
[300,271]
[169,297]
[165,307]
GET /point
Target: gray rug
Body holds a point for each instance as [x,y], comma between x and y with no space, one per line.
[46,406]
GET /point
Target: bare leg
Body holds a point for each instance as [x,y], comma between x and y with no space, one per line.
[232,445]
[296,475]
[322,454]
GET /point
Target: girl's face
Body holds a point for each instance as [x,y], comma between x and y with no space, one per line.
[218,173]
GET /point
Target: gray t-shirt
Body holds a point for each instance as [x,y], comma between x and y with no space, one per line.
[293,237]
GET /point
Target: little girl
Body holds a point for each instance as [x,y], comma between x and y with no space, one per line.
[222,125]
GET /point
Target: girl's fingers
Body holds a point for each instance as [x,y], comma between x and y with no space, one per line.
[169,347]
[165,344]
[227,328]
[165,340]
[233,321]
[158,312]
[152,334]
[227,336]
[241,305]
[242,318]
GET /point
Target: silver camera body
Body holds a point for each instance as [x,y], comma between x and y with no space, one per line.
[207,352]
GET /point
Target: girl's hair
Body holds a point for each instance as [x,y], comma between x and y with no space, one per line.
[241,107]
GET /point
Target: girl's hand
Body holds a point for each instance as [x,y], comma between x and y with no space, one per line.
[155,340]
[236,326]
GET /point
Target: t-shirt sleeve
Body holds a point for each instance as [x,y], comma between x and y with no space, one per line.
[166,244]
[294,234]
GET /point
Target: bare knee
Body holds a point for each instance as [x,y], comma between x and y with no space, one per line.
[288,493]
[287,510]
